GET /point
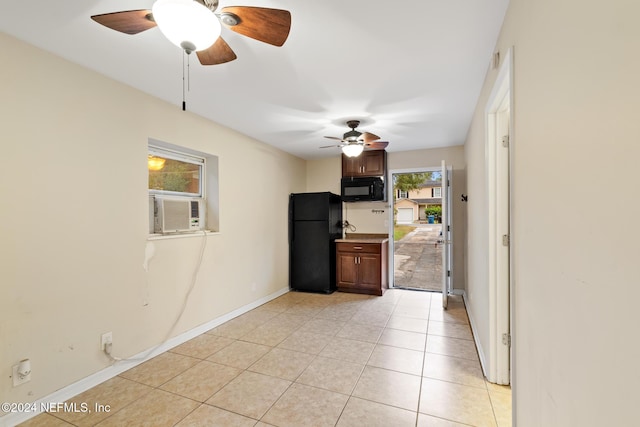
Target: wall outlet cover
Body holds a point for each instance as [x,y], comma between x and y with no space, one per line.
[16,377]
[106,338]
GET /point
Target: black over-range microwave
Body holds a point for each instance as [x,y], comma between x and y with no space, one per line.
[362,189]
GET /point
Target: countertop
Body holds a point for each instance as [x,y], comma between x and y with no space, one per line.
[364,240]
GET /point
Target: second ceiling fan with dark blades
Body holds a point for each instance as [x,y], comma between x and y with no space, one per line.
[193,16]
[354,142]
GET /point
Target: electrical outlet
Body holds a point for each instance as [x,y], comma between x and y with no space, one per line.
[20,379]
[106,338]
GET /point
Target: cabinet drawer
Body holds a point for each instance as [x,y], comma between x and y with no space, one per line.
[368,248]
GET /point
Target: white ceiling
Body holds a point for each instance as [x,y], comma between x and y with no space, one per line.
[410,70]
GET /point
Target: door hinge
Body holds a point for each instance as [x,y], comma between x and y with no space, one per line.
[505,240]
[505,141]
[506,339]
[448,228]
[448,273]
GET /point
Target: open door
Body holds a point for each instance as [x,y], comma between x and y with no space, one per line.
[446,236]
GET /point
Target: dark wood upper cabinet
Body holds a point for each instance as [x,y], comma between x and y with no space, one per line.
[369,163]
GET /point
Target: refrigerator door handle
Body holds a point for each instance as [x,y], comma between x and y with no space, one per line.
[291,227]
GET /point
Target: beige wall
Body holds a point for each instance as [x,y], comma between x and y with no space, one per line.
[421,193]
[576,133]
[324,175]
[74,221]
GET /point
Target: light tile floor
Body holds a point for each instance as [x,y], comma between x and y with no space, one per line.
[311,360]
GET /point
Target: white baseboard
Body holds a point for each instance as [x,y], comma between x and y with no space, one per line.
[481,354]
[119,367]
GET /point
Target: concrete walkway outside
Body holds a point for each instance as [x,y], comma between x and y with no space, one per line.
[418,259]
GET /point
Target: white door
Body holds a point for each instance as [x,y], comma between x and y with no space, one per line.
[501,268]
[405,215]
[446,237]
[499,140]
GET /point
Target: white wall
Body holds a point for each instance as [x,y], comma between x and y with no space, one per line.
[73,221]
[576,108]
[324,175]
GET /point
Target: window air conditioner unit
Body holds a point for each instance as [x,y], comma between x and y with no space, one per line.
[178,215]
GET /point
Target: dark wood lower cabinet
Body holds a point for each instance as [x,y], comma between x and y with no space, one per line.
[362,267]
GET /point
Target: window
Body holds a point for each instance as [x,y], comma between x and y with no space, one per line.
[182,177]
[175,174]
[437,191]
[403,194]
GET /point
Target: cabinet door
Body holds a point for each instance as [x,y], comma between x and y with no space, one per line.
[369,272]
[347,270]
[350,166]
[373,163]
[369,163]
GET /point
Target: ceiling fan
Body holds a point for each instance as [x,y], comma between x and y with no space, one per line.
[194,25]
[354,142]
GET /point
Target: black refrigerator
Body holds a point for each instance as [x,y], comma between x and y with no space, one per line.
[315,221]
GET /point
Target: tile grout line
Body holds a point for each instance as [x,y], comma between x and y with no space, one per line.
[424,360]
[294,381]
[395,302]
[364,366]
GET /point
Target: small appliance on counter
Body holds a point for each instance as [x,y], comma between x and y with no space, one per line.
[315,222]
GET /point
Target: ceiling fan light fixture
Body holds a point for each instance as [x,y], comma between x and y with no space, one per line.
[352,150]
[186,23]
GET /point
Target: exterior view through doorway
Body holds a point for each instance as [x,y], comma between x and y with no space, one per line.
[417,226]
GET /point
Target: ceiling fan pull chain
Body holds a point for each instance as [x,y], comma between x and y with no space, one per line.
[186,83]
[184,104]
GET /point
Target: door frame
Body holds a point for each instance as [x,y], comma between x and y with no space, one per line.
[390,191]
[499,115]
[447,233]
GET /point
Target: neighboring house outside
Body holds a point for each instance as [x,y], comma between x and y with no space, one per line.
[409,206]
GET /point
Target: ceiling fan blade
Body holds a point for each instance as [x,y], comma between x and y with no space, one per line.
[330,146]
[376,145]
[266,25]
[217,53]
[334,137]
[128,22]
[369,137]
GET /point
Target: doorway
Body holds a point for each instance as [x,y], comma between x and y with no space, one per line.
[499,120]
[416,222]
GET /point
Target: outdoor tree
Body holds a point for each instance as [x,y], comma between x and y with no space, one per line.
[410,181]
[174,176]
